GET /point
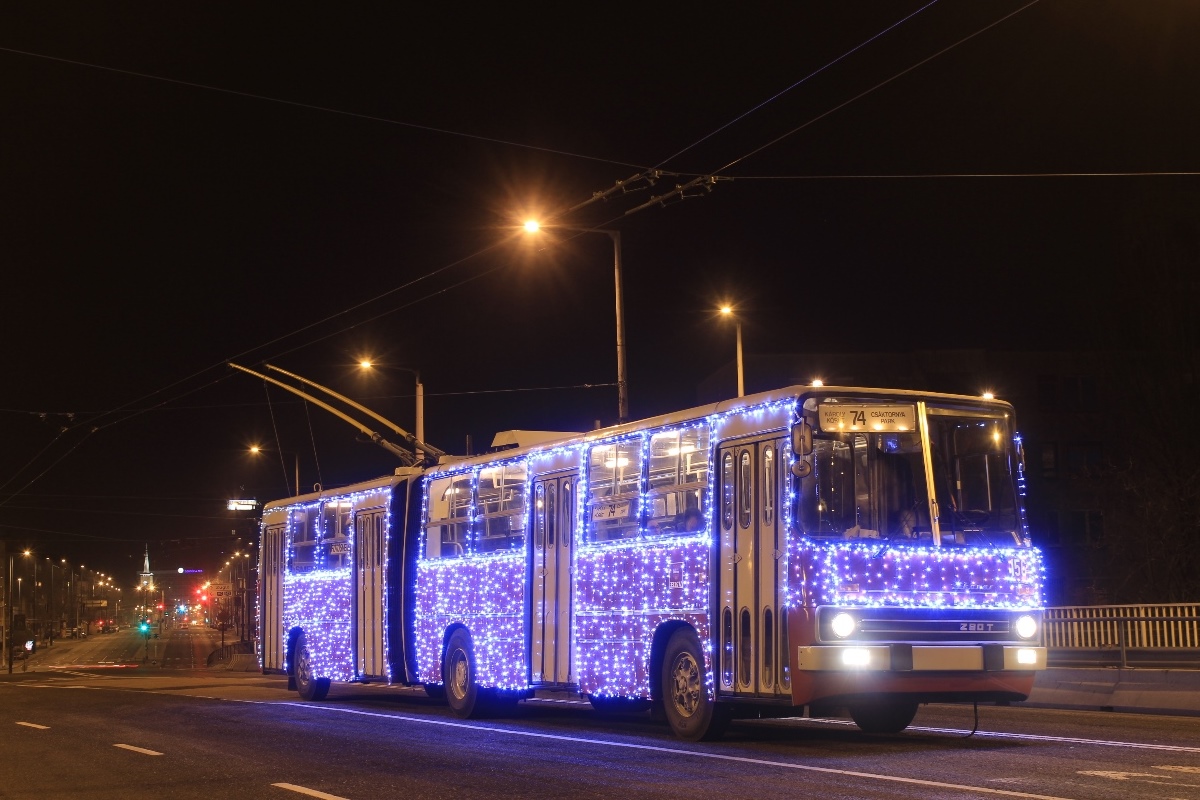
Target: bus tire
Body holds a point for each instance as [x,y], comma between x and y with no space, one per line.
[458,676]
[435,690]
[308,685]
[883,716]
[692,714]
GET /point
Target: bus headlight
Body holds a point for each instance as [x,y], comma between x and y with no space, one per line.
[842,625]
[1026,626]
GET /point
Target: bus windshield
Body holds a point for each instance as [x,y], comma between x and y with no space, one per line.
[973,478]
[866,486]
[872,485]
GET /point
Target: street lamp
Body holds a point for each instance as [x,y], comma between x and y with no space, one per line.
[256,450]
[533,226]
[33,587]
[727,311]
[8,614]
[366,364]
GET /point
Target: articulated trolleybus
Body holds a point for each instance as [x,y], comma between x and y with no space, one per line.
[801,550]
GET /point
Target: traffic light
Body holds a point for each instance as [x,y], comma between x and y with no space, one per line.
[144,627]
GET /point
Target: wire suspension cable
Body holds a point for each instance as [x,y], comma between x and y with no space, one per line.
[812,74]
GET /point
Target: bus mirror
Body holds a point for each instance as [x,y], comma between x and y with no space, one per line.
[801,469]
[802,443]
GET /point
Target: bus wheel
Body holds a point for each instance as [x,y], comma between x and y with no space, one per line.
[690,712]
[308,685]
[458,676]
[884,716]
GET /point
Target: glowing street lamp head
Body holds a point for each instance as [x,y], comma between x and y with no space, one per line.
[726,310]
[532,226]
[365,363]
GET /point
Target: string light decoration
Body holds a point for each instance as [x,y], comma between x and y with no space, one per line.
[624,592]
[484,592]
[855,574]
[321,600]
[1021,489]
[625,589]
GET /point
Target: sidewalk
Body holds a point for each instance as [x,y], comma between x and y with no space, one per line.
[1152,691]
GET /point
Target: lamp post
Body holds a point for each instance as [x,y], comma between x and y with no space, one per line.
[255,450]
[532,226]
[728,312]
[33,614]
[50,631]
[419,431]
[8,613]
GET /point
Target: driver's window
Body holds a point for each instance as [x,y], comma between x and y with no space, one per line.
[827,493]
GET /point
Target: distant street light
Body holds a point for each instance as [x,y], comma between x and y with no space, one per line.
[532,227]
[741,381]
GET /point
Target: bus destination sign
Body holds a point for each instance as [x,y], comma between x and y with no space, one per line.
[858,417]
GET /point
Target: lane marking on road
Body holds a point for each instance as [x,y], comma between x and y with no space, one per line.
[35,725]
[291,787]
[1028,737]
[138,749]
[871,776]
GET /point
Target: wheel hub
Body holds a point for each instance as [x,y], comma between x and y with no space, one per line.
[460,675]
[686,694]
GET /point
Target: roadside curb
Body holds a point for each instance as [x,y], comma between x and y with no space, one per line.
[242,662]
[1149,691]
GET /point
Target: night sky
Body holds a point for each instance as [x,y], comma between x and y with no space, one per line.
[187,185]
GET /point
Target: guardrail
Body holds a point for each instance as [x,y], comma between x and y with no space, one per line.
[1167,634]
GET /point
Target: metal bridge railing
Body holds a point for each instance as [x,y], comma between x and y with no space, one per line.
[1168,633]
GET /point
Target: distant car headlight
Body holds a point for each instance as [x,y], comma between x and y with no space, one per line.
[842,625]
[1026,626]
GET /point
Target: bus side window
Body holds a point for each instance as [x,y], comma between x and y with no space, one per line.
[501,507]
[678,479]
[448,527]
[614,490]
[302,553]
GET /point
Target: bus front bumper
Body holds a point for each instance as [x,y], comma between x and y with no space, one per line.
[921,658]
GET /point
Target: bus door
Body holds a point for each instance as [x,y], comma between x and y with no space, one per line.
[554,505]
[752,565]
[368,622]
[272,597]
